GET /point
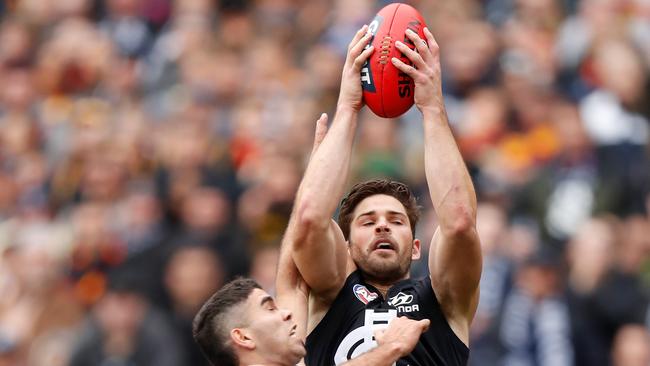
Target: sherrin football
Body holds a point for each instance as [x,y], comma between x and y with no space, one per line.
[387,91]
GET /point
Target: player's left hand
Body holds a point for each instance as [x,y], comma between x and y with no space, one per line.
[425,71]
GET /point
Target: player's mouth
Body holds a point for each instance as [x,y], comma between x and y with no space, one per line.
[292,333]
[384,245]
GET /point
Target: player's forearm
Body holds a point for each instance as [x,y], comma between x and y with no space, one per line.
[291,290]
[450,185]
[384,355]
[327,172]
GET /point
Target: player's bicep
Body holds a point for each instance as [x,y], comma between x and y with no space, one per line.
[455,265]
[321,258]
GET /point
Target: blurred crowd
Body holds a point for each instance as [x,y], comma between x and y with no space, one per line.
[150,150]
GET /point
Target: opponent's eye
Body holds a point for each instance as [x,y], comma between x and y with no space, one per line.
[268,304]
[368,223]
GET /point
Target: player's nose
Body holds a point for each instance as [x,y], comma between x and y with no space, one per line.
[382,226]
[286,314]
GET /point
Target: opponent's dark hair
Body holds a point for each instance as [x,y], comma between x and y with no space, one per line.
[209,326]
[361,191]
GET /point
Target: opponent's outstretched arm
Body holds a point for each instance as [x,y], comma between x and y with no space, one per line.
[455,254]
[320,251]
[291,290]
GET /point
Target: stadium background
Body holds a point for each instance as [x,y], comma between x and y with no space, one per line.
[150,151]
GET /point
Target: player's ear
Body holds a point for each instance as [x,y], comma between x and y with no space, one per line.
[241,338]
[416,250]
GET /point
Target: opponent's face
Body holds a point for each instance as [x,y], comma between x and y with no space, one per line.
[381,241]
[273,330]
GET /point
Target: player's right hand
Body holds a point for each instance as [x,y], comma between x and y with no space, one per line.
[402,333]
[351,94]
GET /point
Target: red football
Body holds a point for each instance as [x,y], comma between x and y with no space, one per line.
[387,91]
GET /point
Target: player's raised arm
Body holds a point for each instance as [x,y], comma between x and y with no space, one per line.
[291,290]
[320,251]
[455,256]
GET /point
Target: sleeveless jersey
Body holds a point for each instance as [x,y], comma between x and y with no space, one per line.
[359,309]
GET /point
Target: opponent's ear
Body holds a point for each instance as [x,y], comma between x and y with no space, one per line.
[241,338]
[416,250]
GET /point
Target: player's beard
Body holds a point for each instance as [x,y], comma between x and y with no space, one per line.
[382,270]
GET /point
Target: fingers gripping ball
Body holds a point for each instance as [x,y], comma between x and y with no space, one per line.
[387,91]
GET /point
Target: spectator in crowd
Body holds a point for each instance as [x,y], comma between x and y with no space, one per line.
[589,256]
[535,328]
[192,275]
[36,301]
[124,330]
[631,346]
[495,283]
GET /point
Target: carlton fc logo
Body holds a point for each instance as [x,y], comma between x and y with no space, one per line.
[363,294]
[402,302]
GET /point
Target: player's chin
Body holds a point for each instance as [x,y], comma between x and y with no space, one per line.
[384,258]
[383,264]
[298,350]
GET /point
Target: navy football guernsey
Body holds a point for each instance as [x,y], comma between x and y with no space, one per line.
[359,309]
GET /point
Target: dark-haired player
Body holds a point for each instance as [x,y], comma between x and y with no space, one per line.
[242,325]
[358,269]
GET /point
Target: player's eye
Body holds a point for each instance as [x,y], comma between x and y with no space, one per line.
[398,222]
[368,223]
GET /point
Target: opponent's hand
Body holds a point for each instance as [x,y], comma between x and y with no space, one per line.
[351,94]
[321,131]
[402,333]
[425,71]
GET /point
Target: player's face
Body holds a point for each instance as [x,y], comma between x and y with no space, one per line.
[381,241]
[273,330]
